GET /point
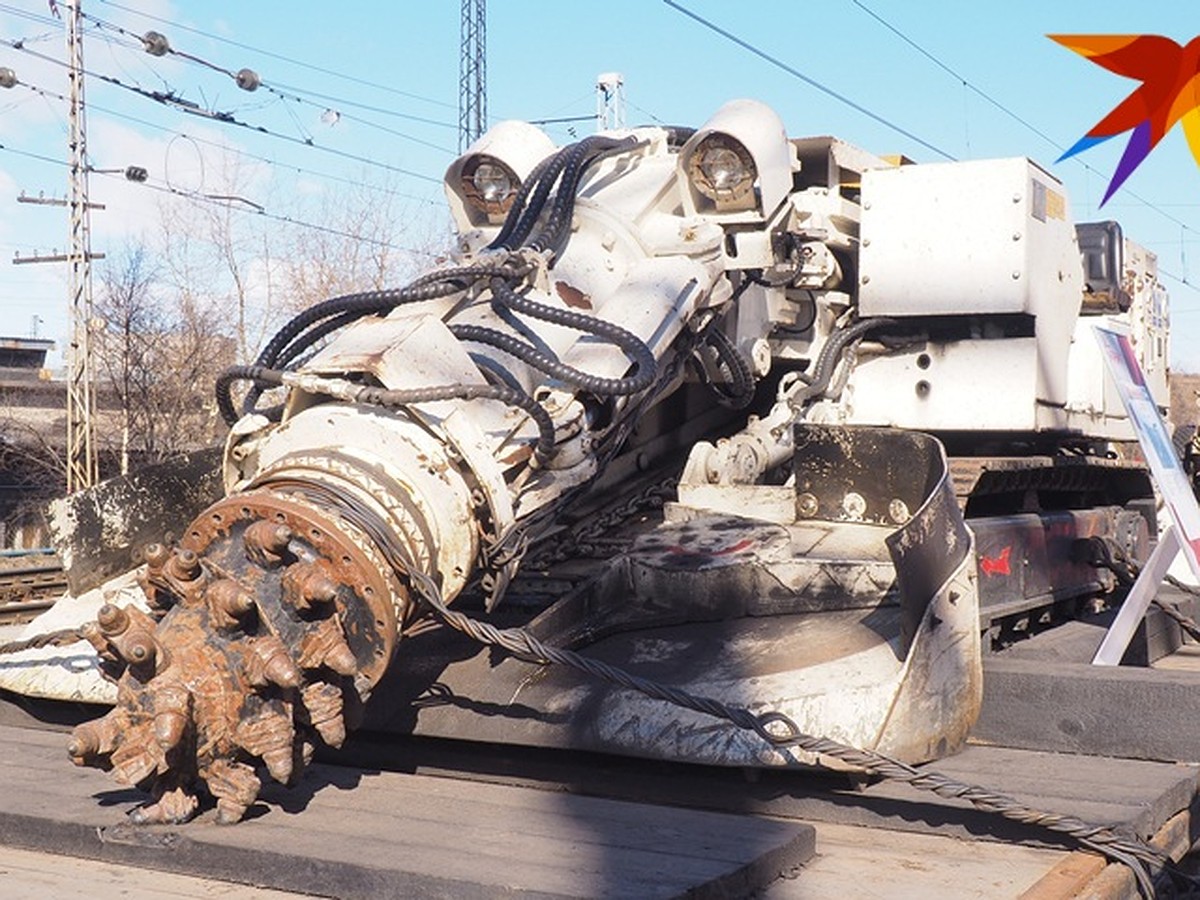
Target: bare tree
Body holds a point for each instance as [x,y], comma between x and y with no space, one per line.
[372,236]
[214,250]
[157,354]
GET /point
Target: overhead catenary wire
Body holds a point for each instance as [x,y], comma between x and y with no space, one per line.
[291,94]
[226,148]
[809,80]
[757,51]
[188,107]
[246,206]
[230,202]
[279,56]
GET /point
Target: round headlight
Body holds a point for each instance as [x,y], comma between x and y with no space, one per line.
[488,184]
[492,182]
[722,169]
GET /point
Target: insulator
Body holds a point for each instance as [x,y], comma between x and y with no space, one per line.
[156,44]
[247,80]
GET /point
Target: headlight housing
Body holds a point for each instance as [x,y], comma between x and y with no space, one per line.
[488,184]
[738,167]
[723,170]
[482,184]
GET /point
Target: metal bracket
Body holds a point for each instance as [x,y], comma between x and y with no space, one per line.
[1140,596]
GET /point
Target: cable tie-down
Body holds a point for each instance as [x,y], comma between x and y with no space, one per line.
[1150,867]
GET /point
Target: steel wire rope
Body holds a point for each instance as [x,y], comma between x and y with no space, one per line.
[59,638]
[777,730]
[781,733]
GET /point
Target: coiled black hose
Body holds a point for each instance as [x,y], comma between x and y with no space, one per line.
[322,319]
[364,303]
[645,366]
[526,208]
[580,157]
[391,399]
[547,364]
[428,287]
[570,163]
[831,353]
[741,390]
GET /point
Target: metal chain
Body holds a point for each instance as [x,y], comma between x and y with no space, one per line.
[781,733]
[580,539]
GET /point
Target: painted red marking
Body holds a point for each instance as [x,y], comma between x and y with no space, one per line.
[733,548]
[997,565]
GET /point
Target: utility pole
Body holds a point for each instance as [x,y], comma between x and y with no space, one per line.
[610,101]
[81,451]
[472,73]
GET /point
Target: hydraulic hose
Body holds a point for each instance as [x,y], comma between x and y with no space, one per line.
[526,209]
[741,391]
[581,156]
[548,365]
[376,396]
[831,353]
[629,343]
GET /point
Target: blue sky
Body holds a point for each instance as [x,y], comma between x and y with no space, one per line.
[401,60]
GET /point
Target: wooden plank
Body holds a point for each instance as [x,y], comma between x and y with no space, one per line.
[27,875]
[1137,713]
[1134,793]
[1072,874]
[403,835]
[880,864]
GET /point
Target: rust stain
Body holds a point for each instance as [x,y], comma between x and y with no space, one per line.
[572,296]
[246,652]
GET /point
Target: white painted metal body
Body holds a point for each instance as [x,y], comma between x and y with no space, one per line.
[975,266]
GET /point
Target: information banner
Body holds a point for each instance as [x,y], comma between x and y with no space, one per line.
[1151,430]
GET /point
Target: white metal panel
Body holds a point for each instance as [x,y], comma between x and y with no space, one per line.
[965,385]
[984,236]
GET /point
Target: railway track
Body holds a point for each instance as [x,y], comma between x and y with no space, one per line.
[28,588]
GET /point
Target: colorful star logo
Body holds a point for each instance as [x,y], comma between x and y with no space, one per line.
[1169,93]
